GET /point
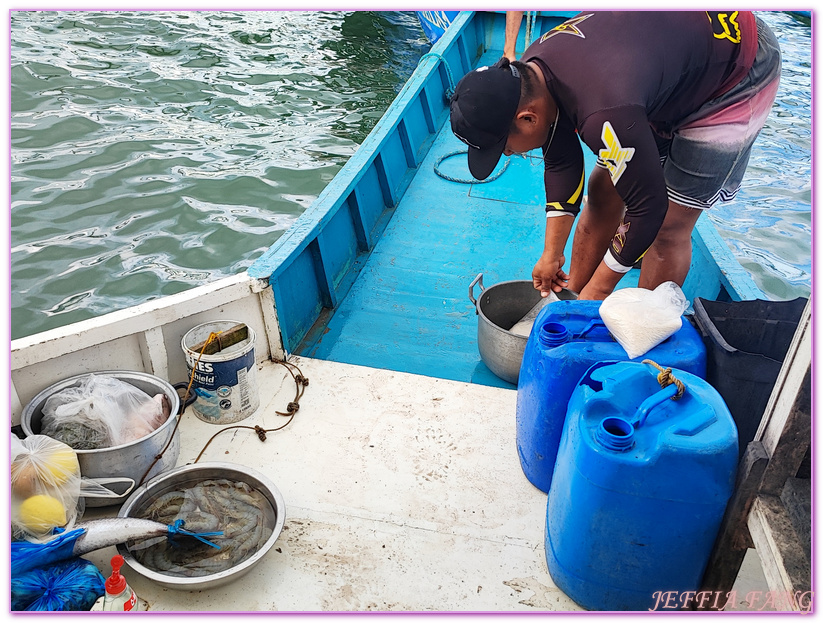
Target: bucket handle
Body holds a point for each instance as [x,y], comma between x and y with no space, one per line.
[478,279]
[192,397]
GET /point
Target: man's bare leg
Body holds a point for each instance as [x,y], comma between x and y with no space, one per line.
[596,226]
[669,257]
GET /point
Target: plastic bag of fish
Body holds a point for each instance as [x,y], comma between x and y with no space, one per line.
[102,412]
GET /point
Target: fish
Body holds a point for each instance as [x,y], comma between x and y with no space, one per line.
[100,533]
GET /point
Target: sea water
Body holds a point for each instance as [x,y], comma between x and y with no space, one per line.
[154,151]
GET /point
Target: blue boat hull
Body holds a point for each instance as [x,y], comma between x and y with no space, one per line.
[434,23]
[376,271]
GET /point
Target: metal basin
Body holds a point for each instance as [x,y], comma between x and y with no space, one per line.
[129,460]
[187,476]
[499,308]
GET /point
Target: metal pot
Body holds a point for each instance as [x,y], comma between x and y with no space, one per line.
[187,476]
[126,461]
[499,308]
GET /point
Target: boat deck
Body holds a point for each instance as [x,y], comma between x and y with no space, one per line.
[409,304]
[402,493]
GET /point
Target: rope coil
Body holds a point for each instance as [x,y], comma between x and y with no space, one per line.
[449,178]
[666,378]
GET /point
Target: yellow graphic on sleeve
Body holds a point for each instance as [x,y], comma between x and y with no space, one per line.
[569,27]
[572,201]
[615,156]
[724,25]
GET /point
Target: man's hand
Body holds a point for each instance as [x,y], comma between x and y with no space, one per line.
[548,274]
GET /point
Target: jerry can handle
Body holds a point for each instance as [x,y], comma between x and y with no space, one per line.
[478,279]
[651,402]
[595,323]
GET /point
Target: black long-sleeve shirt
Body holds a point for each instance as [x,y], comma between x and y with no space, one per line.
[619,78]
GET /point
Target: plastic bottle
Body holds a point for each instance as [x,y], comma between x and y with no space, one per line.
[119,596]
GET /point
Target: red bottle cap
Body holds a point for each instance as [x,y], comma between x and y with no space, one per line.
[116,583]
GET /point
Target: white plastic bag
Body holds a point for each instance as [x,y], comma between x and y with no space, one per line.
[640,319]
[45,486]
[524,326]
[101,412]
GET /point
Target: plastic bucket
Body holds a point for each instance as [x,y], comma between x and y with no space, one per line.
[225,382]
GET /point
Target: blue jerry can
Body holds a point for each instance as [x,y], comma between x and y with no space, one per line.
[640,487]
[567,338]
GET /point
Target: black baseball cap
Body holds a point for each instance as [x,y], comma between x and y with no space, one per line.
[482,110]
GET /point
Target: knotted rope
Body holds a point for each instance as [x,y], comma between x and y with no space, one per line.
[450,90]
[300,381]
[666,378]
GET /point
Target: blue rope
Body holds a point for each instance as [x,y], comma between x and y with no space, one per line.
[450,91]
[177,528]
[466,181]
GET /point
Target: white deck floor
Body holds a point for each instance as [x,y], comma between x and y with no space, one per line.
[402,493]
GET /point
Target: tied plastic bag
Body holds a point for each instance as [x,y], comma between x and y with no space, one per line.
[640,319]
[102,412]
[63,586]
[45,486]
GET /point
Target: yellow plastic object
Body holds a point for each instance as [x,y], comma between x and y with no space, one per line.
[41,513]
[62,464]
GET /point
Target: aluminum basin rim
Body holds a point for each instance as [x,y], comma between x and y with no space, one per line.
[41,397]
[489,322]
[195,473]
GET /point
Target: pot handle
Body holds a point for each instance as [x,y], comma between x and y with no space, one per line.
[478,279]
[95,487]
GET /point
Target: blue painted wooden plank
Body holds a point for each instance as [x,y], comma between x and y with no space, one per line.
[364,242]
[298,298]
[325,287]
[406,140]
[734,278]
[370,197]
[428,110]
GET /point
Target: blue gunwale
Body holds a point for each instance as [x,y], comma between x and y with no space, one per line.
[376,271]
